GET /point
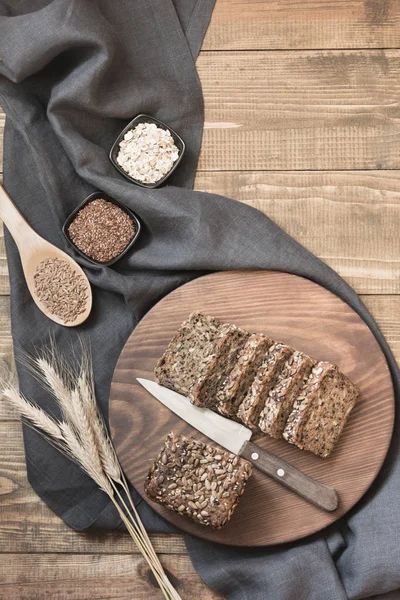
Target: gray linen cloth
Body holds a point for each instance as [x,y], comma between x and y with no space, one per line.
[73,74]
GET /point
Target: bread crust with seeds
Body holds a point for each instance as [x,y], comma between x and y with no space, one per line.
[321,410]
[281,397]
[242,375]
[228,346]
[197,480]
[186,354]
[266,377]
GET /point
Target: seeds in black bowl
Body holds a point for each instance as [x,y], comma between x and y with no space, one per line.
[147,153]
[101,230]
[62,290]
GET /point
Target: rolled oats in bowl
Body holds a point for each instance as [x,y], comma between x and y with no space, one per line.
[147,153]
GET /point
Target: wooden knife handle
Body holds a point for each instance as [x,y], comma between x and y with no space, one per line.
[321,495]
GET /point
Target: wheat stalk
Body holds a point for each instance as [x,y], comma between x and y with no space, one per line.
[106,449]
[107,452]
[81,434]
[36,415]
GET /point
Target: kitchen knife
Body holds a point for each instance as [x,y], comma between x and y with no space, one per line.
[236,438]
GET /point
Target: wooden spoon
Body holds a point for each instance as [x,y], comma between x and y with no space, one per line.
[33,249]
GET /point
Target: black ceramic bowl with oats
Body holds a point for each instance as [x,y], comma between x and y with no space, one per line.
[147,151]
[101,229]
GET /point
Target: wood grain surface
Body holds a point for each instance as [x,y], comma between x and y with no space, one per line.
[319,110]
[301,110]
[290,24]
[349,219]
[356,208]
[98,577]
[303,315]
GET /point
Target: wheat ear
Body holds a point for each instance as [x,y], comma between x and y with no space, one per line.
[83,437]
[106,449]
[38,417]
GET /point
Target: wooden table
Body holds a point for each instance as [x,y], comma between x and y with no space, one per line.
[303,122]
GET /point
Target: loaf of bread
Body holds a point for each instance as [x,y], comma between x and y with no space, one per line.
[266,377]
[242,375]
[218,365]
[203,482]
[321,410]
[281,397]
[268,386]
[182,362]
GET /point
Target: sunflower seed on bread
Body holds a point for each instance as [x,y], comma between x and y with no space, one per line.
[281,397]
[218,365]
[242,375]
[187,353]
[321,410]
[197,480]
[266,377]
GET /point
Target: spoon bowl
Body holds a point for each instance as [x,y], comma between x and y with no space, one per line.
[33,250]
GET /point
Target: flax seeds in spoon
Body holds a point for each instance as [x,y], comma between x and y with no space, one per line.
[101,230]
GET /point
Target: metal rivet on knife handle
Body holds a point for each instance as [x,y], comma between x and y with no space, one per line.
[323,496]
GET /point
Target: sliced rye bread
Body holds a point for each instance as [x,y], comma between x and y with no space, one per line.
[218,365]
[181,364]
[266,377]
[242,375]
[321,410]
[281,397]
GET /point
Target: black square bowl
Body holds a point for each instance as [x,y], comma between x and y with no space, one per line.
[89,199]
[179,143]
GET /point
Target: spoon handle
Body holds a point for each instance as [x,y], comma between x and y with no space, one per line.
[13,219]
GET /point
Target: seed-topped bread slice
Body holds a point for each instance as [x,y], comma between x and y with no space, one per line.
[281,397]
[321,410]
[218,365]
[242,375]
[180,365]
[197,480]
[266,377]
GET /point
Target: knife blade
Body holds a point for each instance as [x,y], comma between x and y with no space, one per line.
[236,438]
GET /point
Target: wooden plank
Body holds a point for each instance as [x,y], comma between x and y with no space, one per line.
[101,577]
[261,25]
[28,525]
[7,365]
[4,277]
[2,124]
[300,110]
[348,219]
[386,311]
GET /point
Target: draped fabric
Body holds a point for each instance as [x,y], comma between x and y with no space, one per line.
[73,73]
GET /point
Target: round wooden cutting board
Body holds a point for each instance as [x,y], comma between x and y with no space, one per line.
[301,314]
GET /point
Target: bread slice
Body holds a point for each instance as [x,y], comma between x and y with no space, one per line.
[321,410]
[266,377]
[281,397]
[218,365]
[180,365]
[196,480]
[242,375]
